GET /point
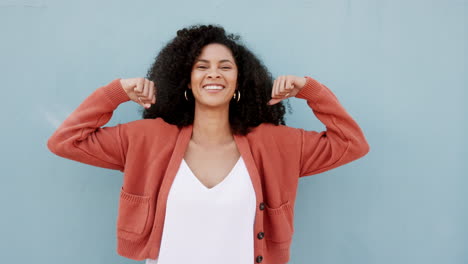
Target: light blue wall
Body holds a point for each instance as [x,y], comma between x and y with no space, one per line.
[399,67]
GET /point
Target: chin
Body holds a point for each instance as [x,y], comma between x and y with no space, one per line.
[213,103]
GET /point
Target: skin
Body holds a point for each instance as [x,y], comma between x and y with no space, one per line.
[211,121]
[212,152]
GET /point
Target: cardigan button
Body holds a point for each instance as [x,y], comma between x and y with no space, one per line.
[260,235]
[262,206]
[259,259]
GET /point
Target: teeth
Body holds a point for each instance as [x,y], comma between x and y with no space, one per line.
[213,87]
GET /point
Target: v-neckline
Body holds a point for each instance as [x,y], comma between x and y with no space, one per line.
[219,183]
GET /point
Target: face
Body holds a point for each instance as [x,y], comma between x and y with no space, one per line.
[214,76]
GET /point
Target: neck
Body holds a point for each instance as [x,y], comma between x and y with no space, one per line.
[211,127]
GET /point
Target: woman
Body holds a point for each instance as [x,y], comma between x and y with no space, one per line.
[211,172]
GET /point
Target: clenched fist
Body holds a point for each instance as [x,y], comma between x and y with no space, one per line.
[286,86]
[140,90]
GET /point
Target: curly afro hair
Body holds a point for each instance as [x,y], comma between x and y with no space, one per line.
[171,73]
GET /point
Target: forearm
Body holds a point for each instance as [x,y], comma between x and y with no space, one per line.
[343,140]
[81,138]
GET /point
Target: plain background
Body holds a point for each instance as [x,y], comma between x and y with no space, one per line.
[399,67]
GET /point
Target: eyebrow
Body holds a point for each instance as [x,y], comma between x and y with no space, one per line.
[208,61]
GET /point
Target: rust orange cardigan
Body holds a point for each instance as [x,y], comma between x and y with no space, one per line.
[149,152]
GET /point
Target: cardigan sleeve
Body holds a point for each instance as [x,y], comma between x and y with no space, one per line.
[81,138]
[342,142]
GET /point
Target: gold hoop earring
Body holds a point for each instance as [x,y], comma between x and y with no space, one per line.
[238,95]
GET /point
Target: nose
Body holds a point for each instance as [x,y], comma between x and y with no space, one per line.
[213,74]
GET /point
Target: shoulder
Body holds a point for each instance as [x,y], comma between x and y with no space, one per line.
[275,129]
[156,125]
[277,133]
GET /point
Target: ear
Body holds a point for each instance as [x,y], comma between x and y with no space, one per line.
[189,86]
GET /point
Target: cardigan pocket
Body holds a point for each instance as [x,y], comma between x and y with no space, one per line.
[278,223]
[133,212]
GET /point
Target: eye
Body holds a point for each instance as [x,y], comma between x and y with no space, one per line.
[201,67]
[225,67]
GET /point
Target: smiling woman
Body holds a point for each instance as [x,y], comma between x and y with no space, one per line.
[211,172]
[207,50]
[214,73]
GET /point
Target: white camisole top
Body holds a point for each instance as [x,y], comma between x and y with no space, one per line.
[209,225]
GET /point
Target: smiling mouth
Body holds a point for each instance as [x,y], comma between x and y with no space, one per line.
[213,87]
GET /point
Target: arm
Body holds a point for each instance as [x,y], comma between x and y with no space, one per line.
[81,138]
[342,142]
